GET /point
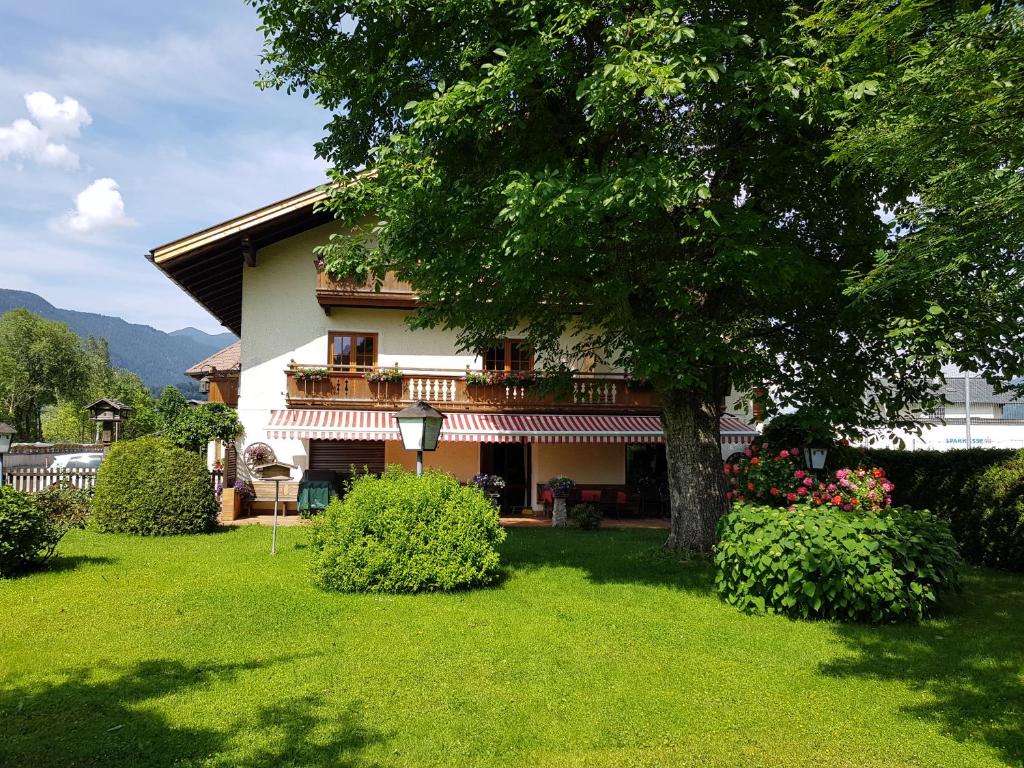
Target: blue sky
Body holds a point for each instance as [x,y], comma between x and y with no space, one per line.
[124,125]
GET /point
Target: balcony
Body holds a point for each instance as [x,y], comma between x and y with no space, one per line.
[312,387]
[393,293]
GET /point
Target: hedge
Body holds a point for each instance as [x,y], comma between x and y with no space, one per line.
[153,488]
[978,491]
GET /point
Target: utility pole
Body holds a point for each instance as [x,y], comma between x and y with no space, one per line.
[967,406]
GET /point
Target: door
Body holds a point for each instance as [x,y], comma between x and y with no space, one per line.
[511,462]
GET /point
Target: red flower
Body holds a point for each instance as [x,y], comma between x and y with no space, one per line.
[791,496]
[750,486]
[774,491]
[877,472]
[837,500]
[755,461]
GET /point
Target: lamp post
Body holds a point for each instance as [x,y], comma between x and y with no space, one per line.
[420,427]
[814,457]
[6,437]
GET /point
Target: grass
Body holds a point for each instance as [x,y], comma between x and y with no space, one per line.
[597,650]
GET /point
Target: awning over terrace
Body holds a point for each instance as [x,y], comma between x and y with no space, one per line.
[490,427]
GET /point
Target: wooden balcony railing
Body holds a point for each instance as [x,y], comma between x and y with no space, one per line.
[318,387]
[352,293]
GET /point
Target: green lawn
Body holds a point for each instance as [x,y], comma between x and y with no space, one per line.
[596,650]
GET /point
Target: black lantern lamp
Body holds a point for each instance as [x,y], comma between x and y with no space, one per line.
[420,427]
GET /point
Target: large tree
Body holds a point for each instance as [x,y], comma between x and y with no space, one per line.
[40,361]
[931,102]
[642,182]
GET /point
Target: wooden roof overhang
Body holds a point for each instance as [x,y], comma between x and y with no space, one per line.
[208,265]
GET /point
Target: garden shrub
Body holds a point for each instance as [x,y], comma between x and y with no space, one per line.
[27,536]
[402,533]
[823,562]
[978,491]
[153,488]
[65,505]
[587,516]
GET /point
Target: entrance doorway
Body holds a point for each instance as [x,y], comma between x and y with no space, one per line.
[511,462]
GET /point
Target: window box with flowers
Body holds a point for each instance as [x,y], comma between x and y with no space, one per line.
[312,380]
[385,383]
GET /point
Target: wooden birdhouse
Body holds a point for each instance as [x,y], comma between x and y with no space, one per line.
[109,416]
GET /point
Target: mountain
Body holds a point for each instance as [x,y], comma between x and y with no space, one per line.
[160,358]
[215,340]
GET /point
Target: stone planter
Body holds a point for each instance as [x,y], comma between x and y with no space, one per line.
[559,513]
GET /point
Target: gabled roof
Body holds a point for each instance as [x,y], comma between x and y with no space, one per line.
[111,404]
[226,360]
[207,265]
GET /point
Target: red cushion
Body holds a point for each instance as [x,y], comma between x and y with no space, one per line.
[590,496]
[548,497]
[620,497]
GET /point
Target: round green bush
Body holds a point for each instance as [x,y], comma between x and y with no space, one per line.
[825,563]
[402,533]
[587,516]
[27,537]
[153,488]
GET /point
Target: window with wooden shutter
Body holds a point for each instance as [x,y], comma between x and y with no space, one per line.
[342,455]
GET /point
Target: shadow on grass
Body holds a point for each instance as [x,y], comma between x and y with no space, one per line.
[969,662]
[61,562]
[106,717]
[625,556]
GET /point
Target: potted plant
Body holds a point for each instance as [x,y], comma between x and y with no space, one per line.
[491,485]
[560,487]
[234,499]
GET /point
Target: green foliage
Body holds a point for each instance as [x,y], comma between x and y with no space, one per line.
[797,430]
[195,427]
[65,506]
[820,563]
[68,421]
[153,488]
[402,533]
[170,405]
[27,537]
[931,103]
[587,516]
[977,491]
[40,361]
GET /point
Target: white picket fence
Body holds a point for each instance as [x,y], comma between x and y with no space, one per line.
[36,479]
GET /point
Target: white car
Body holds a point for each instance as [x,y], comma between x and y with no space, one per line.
[77,461]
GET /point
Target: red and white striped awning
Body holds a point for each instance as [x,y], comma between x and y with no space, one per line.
[490,427]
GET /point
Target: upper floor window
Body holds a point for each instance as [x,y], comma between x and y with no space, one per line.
[512,355]
[351,351]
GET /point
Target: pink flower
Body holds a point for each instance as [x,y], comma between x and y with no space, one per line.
[848,507]
[794,451]
[748,452]
[802,491]
[808,482]
[833,487]
[799,474]
[784,454]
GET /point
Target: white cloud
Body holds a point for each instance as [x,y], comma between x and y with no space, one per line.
[27,140]
[24,140]
[57,118]
[98,206]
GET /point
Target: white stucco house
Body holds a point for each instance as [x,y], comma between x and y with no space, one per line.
[301,376]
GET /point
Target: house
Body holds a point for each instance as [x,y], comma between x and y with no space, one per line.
[974,415]
[322,365]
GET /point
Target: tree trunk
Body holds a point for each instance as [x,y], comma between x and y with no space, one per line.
[695,478]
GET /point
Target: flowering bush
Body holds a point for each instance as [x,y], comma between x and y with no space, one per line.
[384,375]
[855,490]
[778,479]
[482,378]
[767,476]
[488,483]
[311,374]
[561,485]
